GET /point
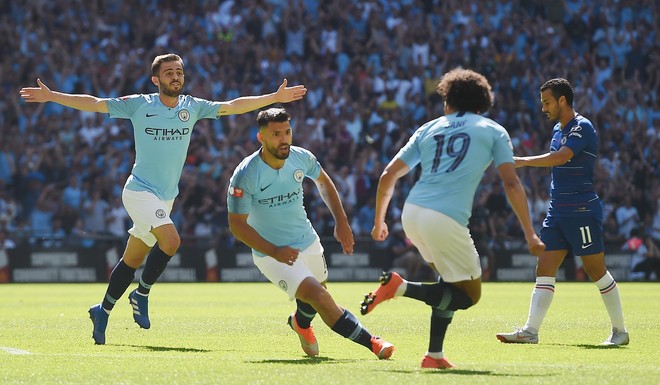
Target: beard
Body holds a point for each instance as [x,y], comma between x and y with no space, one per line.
[167,91]
[275,151]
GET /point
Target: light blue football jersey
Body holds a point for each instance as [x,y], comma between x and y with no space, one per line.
[162,135]
[454,151]
[273,199]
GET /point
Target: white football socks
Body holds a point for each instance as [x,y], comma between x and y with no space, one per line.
[401,289]
[609,291]
[542,296]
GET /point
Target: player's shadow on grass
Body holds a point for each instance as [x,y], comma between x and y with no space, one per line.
[465,372]
[168,349]
[299,361]
[443,371]
[594,347]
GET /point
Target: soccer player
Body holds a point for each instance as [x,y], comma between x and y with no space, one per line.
[163,123]
[575,218]
[266,212]
[454,150]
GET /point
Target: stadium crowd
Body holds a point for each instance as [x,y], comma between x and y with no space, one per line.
[370,68]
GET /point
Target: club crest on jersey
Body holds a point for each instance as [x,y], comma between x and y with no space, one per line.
[575,131]
[160,213]
[235,192]
[184,115]
[282,284]
[298,175]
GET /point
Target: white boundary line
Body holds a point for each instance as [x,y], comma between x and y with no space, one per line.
[14,350]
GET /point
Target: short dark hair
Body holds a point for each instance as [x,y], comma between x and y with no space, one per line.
[278,115]
[466,90]
[559,87]
[160,59]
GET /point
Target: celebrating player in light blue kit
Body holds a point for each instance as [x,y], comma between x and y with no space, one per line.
[454,151]
[266,212]
[575,217]
[163,124]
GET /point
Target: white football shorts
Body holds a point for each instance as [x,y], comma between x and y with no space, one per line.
[443,242]
[147,212]
[310,263]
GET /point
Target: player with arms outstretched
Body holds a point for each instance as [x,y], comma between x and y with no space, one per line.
[162,123]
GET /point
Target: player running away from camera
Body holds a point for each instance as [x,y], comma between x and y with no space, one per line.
[266,212]
[574,220]
[454,151]
[163,123]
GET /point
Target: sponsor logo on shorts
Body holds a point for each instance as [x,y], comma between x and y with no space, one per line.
[160,213]
[282,284]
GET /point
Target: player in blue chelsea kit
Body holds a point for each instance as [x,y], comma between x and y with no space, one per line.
[575,217]
[163,123]
[266,212]
[453,150]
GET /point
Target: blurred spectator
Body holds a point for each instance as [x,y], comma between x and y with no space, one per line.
[7,163]
[501,249]
[366,216]
[611,233]
[41,217]
[478,226]
[627,217]
[117,218]
[351,56]
[655,223]
[6,243]
[56,236]
[72,195]
[95,211]
[645,261]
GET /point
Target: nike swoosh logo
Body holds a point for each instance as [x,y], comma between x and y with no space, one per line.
[150,115]
[519,337]
[263,188]
[587,245]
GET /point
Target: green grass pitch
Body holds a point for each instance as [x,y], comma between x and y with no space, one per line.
[222,333]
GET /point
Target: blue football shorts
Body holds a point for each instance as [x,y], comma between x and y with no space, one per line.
[583,235]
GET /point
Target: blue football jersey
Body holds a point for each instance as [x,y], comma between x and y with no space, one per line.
[454,151]
[273,199]
[162,135]
[572,187]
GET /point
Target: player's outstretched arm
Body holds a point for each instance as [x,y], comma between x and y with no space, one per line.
[245,104]
[549,159]
[81,102]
